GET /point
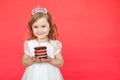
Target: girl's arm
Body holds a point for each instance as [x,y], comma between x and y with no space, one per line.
[27,60]
[57,61]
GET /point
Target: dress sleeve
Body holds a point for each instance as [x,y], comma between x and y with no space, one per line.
[26,48]
[58,47]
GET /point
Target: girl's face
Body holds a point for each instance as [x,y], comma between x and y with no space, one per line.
[41,28]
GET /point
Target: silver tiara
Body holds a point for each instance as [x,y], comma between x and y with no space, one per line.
[39,9]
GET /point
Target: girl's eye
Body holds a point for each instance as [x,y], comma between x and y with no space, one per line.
[43,26]
[35,26]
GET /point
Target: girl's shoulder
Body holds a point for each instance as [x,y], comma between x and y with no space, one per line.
[56,43]
[29,42]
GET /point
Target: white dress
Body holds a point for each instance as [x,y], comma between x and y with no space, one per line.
[42,71]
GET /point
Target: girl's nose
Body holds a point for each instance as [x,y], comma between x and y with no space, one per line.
[39,29]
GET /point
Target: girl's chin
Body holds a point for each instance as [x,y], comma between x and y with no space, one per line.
[40,37]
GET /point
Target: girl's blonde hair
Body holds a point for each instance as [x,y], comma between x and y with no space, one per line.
[53,29]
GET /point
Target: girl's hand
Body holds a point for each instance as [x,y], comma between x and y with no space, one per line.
[36,59]
[46,60]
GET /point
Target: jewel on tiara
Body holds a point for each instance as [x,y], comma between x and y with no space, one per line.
[39,9]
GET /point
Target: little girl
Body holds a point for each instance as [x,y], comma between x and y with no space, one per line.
[42,32]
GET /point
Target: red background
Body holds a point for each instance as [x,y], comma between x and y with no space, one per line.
[88,29]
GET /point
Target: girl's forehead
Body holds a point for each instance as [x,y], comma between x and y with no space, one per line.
[41,21]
